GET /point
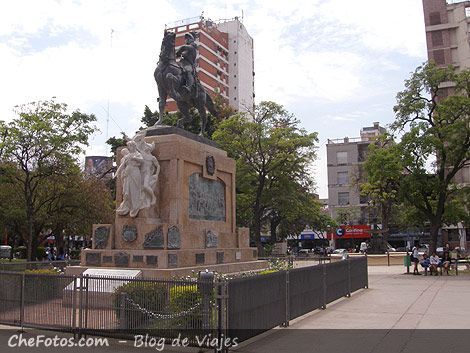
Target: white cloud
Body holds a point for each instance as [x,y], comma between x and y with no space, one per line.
[382,25]
[329,51]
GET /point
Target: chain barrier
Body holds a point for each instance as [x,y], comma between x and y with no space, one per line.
[162,316]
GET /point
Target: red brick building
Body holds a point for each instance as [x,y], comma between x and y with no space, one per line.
[225,60]
[447,24]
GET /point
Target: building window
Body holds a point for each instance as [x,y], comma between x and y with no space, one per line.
[434,18]
[343,178]
[439,57]
[343,198]
[341,158]
[436,38]
[467,11]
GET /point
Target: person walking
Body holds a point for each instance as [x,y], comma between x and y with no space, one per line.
[415,259]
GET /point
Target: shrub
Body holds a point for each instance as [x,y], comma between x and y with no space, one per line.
[148,295]
[186,298]
[44,271]
[42,285]
[40,253]
[266,272]
[75,254]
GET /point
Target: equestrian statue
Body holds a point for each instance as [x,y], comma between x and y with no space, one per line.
[179,80]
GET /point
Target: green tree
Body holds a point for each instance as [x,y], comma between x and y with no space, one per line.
[273,155]
[383,172]
[116,142]
[347,215]
[435,142]
[41,144]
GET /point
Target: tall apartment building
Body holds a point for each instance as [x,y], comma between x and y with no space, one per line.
[344,164]
[225,62]
[447,26]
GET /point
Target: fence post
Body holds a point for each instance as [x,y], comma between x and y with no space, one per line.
[122,311]
[367,275]
[349,278]
[206,286]
[324,287]
[222,301]
[23,281]
[80,306]
[286,322]
[74,306]
[86,302]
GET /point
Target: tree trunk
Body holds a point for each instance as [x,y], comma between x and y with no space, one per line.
[274,223]
[257,230]
[29,252]
[257,213]
[385,220]
[434,230]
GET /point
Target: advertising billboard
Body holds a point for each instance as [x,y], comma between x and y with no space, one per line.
[99,166]
[359,231]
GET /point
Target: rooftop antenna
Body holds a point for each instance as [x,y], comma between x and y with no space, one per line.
[110,49]
[242,15]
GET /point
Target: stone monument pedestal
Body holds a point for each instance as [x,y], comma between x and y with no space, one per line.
[191,227]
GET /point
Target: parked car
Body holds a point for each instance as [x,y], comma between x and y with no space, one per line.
[391,248]
[340,251]
[303,252]
[423,248]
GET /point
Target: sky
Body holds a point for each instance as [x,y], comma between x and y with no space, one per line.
[337,65]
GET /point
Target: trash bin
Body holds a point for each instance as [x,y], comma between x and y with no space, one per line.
[5,251]
[407,260]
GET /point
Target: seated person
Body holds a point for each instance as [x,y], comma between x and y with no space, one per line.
[434,262]
[446,259]
[425,263]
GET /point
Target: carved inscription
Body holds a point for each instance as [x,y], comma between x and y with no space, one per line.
[154,239]
[152,260]
[121,259]
[211,239]
[206,198]
[101,237]
[174,238]
[129,233]
[172,260]
[200,259]
[93,259]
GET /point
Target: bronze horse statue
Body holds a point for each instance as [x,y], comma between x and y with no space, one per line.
[170,80]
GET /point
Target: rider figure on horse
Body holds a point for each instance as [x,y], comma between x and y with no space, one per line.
[188,55]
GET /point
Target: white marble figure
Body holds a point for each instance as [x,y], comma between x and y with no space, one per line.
[150,169]
[129,171]
[139,171]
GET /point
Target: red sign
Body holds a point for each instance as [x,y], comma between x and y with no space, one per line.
[360,231]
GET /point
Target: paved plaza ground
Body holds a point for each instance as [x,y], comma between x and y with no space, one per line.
[402,313]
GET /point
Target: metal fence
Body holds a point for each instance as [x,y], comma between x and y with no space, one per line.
[260,303]
[122,307]
[109,306]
